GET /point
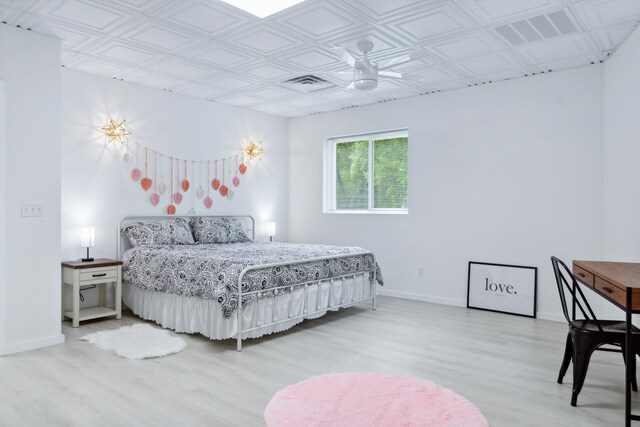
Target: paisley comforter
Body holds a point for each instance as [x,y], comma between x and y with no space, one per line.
[212,270]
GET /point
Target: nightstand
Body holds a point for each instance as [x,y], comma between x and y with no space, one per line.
[99,272]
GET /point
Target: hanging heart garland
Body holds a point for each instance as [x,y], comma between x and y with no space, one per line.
[233,167]
[155,197]
[207,200]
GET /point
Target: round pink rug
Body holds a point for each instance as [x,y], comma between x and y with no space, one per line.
[370,400]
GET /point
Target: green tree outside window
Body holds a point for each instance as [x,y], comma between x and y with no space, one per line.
[388,159]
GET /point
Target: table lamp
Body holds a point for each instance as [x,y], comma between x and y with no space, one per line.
[271,230]
[88,239]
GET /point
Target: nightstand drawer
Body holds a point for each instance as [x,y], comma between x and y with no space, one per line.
[105,274]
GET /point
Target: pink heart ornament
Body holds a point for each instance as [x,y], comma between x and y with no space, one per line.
[177,197]
[155,199]
[236,181]
[136,174]
[208,202]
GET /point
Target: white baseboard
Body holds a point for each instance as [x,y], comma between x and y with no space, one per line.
[420,297]
[556,317]
[31,345]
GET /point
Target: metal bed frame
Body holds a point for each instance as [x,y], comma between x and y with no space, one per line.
[304,285]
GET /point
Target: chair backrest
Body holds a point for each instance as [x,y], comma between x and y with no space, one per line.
[566,281]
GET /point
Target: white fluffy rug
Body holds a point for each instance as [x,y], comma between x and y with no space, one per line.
[139,341]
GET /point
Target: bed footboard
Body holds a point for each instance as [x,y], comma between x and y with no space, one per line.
[306,313]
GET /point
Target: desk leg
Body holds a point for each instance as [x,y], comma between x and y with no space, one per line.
[630,366]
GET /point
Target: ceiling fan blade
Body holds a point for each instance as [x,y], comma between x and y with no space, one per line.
[352,85]
[334,73]
[401,60]
[345,55]
[395,75]
[392,74]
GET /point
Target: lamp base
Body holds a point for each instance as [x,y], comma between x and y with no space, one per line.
[88,258]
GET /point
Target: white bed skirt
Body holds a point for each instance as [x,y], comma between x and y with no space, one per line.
[204,316]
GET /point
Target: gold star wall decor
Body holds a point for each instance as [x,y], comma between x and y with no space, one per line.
[254,150]
[116,131]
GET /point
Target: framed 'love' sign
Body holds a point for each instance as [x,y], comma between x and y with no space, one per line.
[502,288]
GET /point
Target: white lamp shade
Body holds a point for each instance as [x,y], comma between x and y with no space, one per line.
[271,229]
[88,236]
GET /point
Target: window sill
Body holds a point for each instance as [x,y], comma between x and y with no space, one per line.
[372,212]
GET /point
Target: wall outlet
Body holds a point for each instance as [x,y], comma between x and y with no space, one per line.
[32,209]
[421,271]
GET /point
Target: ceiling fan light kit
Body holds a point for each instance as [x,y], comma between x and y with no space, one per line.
[365,78]
[366,73]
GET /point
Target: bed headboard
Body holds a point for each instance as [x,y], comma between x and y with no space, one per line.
[123,242]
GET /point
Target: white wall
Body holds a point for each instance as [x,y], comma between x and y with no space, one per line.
[3,242]
[622,152]
[30,167]
[507,173]
[96,185]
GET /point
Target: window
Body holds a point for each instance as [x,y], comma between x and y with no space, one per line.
[367,173]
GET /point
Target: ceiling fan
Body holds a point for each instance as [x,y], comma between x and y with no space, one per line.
[365,72]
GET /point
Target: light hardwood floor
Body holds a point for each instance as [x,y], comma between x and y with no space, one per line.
[506,365]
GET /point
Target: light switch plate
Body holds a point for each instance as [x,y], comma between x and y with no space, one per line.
[32,209]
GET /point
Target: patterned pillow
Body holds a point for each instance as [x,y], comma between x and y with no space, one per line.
[218,230]
[166,232]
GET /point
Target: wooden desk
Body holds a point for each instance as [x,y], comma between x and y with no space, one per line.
[619,283]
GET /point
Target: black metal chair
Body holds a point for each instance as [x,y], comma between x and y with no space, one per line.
[586,334]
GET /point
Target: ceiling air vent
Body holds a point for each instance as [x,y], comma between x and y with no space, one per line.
[307,83]
[540,27]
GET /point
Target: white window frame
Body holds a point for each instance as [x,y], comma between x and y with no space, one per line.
[329,172]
